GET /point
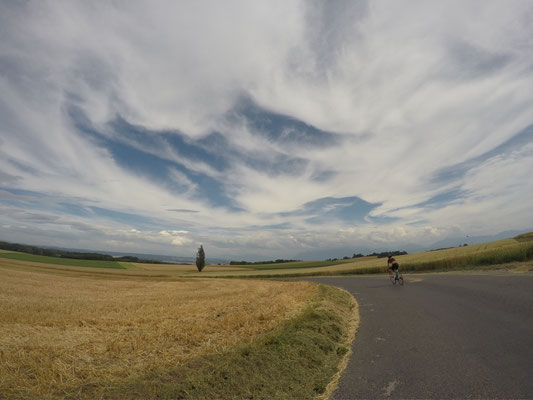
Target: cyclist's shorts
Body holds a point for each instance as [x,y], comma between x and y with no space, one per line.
[395,266]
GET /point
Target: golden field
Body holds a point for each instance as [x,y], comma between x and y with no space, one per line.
[504,251]
[158,330]
[491,253]
[66,333]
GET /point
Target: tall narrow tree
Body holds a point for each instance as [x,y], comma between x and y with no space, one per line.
[200,259]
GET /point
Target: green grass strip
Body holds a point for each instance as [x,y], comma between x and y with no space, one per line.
[298,360]
[127,265]
[62,261]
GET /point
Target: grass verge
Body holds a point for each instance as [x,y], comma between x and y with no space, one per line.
[300,359]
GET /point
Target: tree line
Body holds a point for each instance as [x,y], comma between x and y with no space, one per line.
[378,255]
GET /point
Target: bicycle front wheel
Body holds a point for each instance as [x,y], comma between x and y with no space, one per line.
[400,279]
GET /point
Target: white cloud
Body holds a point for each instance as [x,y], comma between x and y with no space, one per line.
[410,87]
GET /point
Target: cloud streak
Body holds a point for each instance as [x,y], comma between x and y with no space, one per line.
[356,124]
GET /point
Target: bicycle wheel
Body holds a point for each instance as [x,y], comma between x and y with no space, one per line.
[392,278]
[400,279]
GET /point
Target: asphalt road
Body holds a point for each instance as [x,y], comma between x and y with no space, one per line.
[441,336]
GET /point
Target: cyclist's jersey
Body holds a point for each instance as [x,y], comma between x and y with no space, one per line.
[393,263]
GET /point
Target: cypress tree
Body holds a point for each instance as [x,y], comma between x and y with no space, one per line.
[200,259]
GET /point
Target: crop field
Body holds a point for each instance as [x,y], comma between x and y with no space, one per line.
[518,249]
[69,336]
[485,254]
[525,237]
[75,332]
[63,261]
[499,252]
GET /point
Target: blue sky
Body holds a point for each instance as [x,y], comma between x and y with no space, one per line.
[264,129]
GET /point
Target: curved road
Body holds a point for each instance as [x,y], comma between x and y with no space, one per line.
[441,336]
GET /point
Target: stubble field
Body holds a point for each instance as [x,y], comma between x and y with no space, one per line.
[71,335]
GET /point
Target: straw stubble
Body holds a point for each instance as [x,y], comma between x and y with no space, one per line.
[69,336]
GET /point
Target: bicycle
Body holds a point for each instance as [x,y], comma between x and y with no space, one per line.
[395,276]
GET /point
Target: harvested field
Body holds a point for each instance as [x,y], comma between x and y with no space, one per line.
[183,269]
[73,336]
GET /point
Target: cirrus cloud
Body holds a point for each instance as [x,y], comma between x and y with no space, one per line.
[356,124]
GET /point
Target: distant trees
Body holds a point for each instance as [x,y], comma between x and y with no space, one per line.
[388,253]
[378,255]
[200,259]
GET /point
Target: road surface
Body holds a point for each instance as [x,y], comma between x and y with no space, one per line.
[441,336]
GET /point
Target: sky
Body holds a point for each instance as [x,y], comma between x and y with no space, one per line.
[263,130]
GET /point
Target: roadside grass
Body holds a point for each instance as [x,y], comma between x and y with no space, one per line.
[63,261]
[66,334]
[300,359]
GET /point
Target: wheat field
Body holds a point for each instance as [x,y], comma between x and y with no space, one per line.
[490,253]
[71,335]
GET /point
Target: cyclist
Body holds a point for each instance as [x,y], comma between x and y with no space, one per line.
[393,266]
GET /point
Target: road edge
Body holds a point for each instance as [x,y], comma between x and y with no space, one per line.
[353,327]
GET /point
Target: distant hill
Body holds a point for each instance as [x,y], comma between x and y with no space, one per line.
[525,237]
[470,240]
[452,241]
[103,254]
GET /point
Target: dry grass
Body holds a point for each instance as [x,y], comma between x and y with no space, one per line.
[301,359]
[75,336]
[352,324]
